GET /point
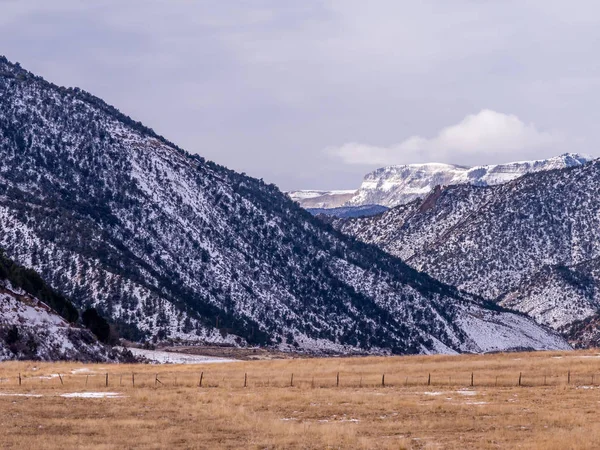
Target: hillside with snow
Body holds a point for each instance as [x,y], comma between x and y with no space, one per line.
[171,246]
[531,244]
[31,329]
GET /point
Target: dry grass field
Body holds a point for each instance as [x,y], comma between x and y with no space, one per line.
[412,410]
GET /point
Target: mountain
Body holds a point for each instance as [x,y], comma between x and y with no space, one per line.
[171,246]
[531,244]
[31,329]
[321,199]
[565,298]
[543,294]
[349,211]
[396,185]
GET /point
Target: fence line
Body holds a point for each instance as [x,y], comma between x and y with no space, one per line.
[204,379]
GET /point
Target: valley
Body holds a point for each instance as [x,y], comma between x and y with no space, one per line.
[168,248]
[427,402]
[299,225]
[171,247]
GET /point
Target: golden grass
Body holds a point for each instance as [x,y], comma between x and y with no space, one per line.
[544,413]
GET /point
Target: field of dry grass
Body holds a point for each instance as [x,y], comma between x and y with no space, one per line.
[427,402]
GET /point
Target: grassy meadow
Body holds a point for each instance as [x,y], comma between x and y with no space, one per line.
[424,402]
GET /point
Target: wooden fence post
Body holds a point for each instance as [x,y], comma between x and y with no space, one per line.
[383,380]
[292,381]
[429,380]
[86,379]
[107,380]
[520,378]
[201,376]
[337,381]
[569,377]
[132,379]
[245,379]
[471,379]
[19,378]
[61,380]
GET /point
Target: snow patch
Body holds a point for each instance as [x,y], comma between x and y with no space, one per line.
[162,357]
[93,395]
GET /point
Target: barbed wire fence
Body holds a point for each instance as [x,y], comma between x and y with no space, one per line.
[205,379]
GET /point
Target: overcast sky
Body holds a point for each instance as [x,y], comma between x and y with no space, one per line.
[315,93]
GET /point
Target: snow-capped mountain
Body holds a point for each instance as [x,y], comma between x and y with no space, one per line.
[396,185]
[321,199]
[531,244]
[172,246]
[31,329]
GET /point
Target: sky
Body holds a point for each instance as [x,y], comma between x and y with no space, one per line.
[314,94]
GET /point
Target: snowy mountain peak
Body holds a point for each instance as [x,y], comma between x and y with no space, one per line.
[310,198]
[395,185]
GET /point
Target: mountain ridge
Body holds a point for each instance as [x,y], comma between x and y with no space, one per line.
[174,247]
[529,244]
[395,185]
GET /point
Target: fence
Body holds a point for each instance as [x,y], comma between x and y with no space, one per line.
[208,379]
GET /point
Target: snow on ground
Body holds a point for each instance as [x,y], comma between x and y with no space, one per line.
[162,357]
[68,395]
[9,394]
[93,395]
[465,392]
[501,331]
[82,370]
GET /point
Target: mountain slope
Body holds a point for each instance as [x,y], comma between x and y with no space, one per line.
[557,295]
[321,199]
[172,246]
[30,329]
[397,185]
[532,244]
[346,212]
[564,298]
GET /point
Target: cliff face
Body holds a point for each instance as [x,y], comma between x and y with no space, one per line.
[397,185]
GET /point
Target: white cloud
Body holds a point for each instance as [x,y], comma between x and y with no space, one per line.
[485,137]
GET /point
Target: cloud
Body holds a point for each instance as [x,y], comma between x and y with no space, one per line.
[264,86]
[495,136]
